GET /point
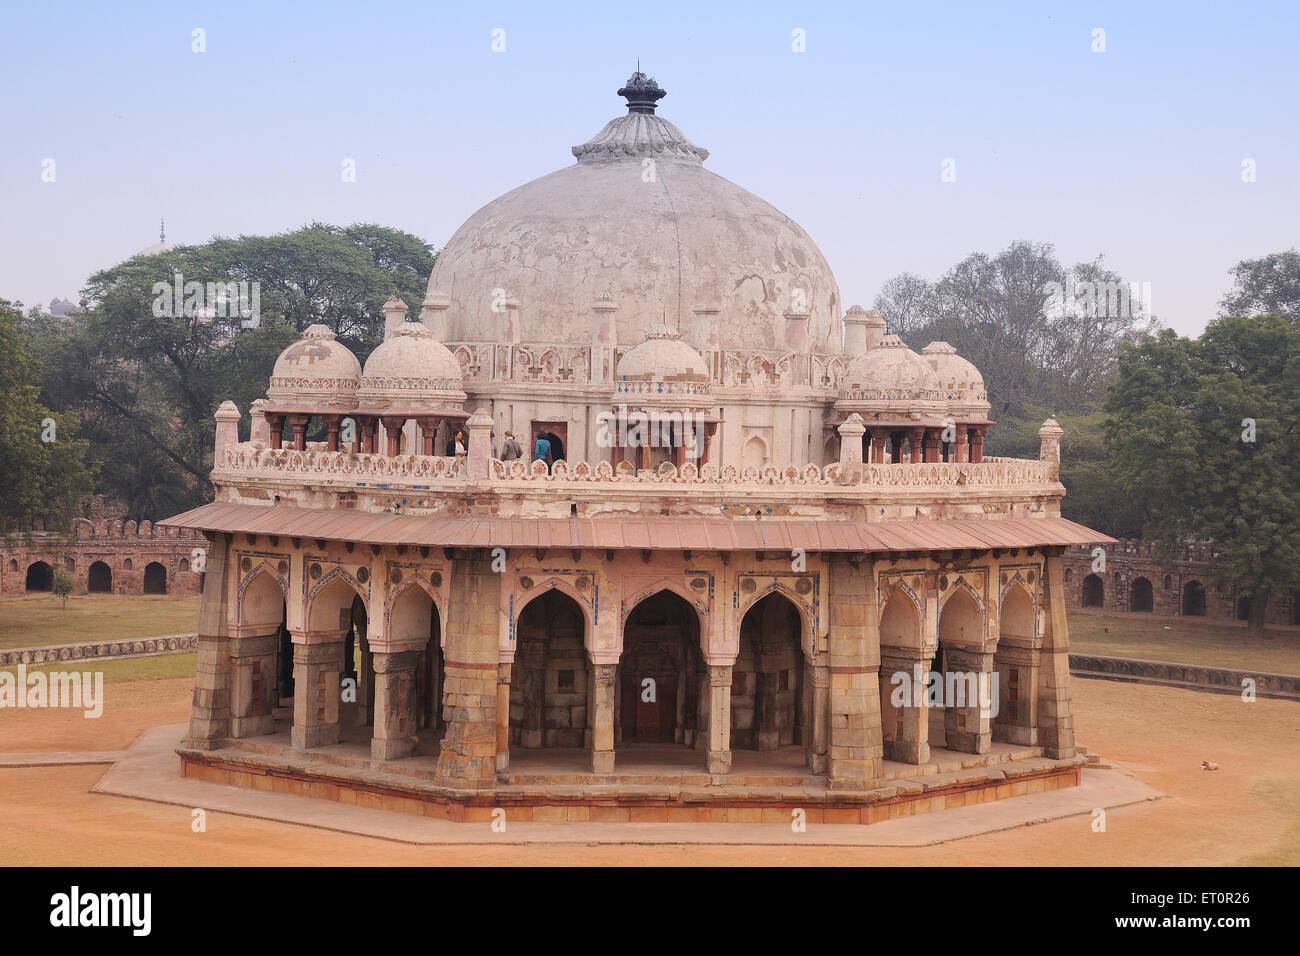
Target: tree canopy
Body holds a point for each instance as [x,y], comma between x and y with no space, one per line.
[1205,432]
[43,470]
[145,367]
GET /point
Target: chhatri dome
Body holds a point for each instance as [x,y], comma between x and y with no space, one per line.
[411,367]
[315,370]
[639,216]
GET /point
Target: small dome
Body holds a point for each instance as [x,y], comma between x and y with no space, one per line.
[315,370]
[890,377]
[662,366]
[959,380]
[412,367]
[663,357]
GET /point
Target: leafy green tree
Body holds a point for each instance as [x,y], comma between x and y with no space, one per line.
[146,376]
[62,587]
[1205,432]
[43,470]
[1269,285]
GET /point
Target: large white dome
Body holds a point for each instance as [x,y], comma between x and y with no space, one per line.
[638,217]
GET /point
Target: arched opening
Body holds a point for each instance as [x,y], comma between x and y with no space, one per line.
[1014,662]
[128,564]
[1140,597]
[100,579]
[185,564]
[900,634]
[414,621]
[359,664]
[69,564]
[1169,581]
[659,691]
[1194,599]
[768,710]
[155,578]
[1069,575]
[1243,609]
[1093,592]
[550,681]
[255,685]
[961,624]
[40,577]
[13,564]
[754,452]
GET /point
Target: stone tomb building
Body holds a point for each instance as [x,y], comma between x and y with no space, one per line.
[762,519]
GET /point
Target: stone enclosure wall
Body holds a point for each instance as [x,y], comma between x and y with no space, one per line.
[103,556]
[1136,579]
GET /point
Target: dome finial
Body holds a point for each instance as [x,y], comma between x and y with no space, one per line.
[641,92]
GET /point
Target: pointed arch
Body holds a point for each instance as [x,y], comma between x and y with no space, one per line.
[807,616]
[329,602]
[961,618]
[553,583]
[900,618]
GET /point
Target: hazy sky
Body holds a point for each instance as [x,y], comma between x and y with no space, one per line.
[1135,153]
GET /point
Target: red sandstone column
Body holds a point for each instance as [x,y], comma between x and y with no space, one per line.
[719,757]
[393,429]
[915,438]
[332,423]
[299,425]
[959,450]
[977,443]
[932,445]
[277,429]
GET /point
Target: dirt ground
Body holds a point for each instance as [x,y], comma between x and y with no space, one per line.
[1184,640]
[1246,812]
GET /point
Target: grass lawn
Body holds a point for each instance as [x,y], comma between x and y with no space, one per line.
[1182,640]
[118,670]
[35,620]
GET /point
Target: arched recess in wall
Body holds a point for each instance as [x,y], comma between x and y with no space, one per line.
[769,707]
[661,686]
[551,678]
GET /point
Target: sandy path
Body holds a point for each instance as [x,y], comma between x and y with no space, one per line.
[1248,811]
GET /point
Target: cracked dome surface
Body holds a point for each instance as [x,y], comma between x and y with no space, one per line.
[638,216]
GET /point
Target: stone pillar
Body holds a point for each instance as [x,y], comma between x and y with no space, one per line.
[1055,713]
[601,707]
[915,439]
[396,721]
[932,444]
[433,314]
[252,684]
[1049,449]
[855,331]
[210,711]
[855,749]
[332,426]
[977,443]
[851,432]
[796,330]
[393,433]
[276,430]
[260,429]
[903,705]
[394,315]
[604,339]
[227,417]
[479,451]
[959,451]
[967,719]
[468,755]
[299,425]
[820,680]
[504,674]
[317,664]
[719,758]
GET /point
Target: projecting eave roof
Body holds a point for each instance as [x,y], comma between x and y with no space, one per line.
[668,534]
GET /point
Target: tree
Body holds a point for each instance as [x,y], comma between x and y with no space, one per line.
[43,470]
[146,376]
[1206,432]
[1265,286]
[62,587]
[1041,334]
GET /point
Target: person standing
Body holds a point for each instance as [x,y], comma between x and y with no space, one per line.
[542,449]
[511,450]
